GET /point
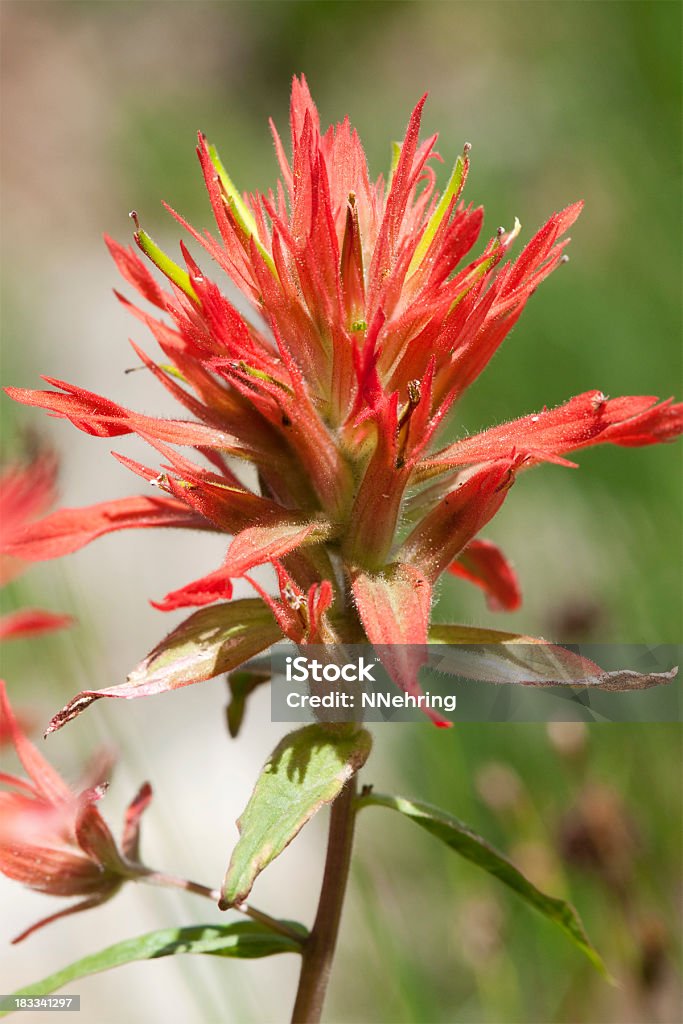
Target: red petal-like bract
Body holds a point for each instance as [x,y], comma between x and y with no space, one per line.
[51,838]
[445,531]
[366,315]
[31,622]
[485,565]
[400,594]
[70,529]
[585,420]
[26,491]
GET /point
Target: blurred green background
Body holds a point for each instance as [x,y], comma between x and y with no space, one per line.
[560,101]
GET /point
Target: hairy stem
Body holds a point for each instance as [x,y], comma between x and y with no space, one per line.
[319,947]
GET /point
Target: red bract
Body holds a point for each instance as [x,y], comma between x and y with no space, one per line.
[26,492]
[53,839]
[369,318]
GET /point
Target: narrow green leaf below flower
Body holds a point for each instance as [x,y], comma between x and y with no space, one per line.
[474,848]
[242,939]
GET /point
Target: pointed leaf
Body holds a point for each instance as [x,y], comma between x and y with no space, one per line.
[242,683]
[492,656]
[242,939]
[100,417]
[211,641]
[474,848]
[309,768]
[134,271]
[215,586]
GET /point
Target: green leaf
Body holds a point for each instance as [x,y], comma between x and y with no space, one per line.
[213,640]
[309,768]
[468,844]
[243,939]
[241,684]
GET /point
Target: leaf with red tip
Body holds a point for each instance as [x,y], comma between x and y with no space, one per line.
[378,498]
[485,565]
[489,655]
[351,267]
[90,413]
[26,491]
[51,866]
[70,529]
[212,641]
[93,835]
[393,606]
[401,183]
[301,105]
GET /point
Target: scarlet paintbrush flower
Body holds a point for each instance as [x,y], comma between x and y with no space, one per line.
[26,492]
[370,319]
[53,839]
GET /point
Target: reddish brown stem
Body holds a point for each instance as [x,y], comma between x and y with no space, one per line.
[320,945]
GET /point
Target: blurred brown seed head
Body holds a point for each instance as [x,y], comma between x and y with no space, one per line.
[569,739]
[500,787]
[599,835]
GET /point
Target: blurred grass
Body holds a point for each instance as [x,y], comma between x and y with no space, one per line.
[560,101]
